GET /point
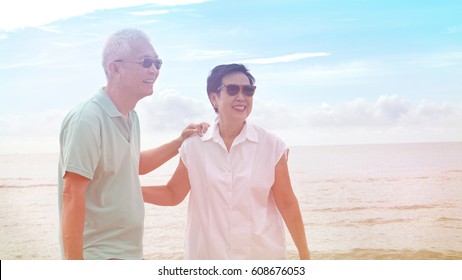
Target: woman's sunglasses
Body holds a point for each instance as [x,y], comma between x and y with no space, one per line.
[146,63]
[232,89]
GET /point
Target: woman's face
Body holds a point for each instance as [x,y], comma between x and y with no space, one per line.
[236,107]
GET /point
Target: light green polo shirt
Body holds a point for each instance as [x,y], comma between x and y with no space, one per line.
[98,143]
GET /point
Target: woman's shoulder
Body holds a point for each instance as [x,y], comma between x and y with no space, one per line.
[192,141]
[263,133]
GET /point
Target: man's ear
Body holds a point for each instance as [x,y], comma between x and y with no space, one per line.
[114,69]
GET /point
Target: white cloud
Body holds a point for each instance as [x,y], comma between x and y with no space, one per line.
[164,115]
[206,54]
[387,119]
[323,74]
[455,29]
[30,132]
[44,59]
[150,13]
[284,58]
[49,29]
[169,110]
[438,60]
[25,13]
[386,111]
[31,124]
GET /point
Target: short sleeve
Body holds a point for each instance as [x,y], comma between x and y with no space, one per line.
[80,144]
[183,152]
[281,149]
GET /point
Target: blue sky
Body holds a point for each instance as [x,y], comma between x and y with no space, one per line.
[327,72]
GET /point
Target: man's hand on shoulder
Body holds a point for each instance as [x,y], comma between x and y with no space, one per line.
[194,129]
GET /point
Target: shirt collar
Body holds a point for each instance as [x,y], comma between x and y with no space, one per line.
[248,132]
[107,104]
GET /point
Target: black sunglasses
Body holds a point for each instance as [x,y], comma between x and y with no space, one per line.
[232,89]
[146,63]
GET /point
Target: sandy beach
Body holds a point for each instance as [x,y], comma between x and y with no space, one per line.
[368,209]
[30,232]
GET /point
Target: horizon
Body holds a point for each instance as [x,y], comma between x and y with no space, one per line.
[327,72]
[289,147]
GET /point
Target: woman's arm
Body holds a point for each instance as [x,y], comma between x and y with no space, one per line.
[287,204]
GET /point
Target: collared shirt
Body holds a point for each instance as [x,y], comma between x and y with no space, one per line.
[231,212]
[98,143]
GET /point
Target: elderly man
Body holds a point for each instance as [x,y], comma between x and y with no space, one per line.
[101,205]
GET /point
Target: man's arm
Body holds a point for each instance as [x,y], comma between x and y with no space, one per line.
[73,215]
[171,194]
[287,204]
[152,159]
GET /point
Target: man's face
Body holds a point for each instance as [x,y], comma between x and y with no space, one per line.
[135,79]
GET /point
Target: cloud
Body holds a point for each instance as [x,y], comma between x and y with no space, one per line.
[284,58]
[44,59]
[31,124]
[168,110]
[25,13]
[30,132]
[323,74]
[53,48]
[455,29]
[346,72]
[388,119]
[386,111]
[440,60]
[49,29]
[206,54]
[150,13]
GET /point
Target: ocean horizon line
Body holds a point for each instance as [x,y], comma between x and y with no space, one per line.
[290,146]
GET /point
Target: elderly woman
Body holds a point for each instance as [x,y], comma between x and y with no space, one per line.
[238,179]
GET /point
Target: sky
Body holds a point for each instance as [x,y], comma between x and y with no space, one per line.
[327,72]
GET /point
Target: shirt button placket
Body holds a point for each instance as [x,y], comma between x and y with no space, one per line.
[229,181]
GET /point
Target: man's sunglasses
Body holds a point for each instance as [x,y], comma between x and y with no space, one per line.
[146,63]
[232,89]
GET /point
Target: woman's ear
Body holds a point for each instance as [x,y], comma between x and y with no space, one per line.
[213,99]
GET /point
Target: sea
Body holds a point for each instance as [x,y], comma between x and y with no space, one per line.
[358,202]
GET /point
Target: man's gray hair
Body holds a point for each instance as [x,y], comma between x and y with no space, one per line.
[118,45]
